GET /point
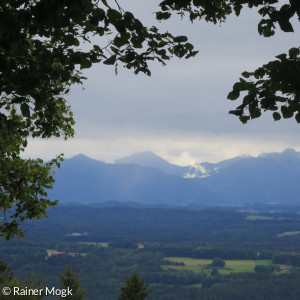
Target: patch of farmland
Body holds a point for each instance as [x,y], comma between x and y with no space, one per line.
[258,217]
[288,233]
[203,265]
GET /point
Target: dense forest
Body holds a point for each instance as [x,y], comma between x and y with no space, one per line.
[173,249]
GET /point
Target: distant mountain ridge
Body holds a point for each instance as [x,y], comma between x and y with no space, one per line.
[149,159]
[268,178]
[85,180]
[147,179]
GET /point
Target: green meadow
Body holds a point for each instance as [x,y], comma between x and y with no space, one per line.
[288,233]
[105,245]
[256,217]
[202,265]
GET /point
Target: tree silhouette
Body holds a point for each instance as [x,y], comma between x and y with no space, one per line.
[70,281]
[135,288]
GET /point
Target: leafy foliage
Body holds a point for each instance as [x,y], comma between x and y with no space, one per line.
[276,85]
[273,87]
[217,11]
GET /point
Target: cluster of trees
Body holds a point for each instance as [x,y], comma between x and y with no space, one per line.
[287,259]
[218,263]
[258,286]
[266,269]
[122,256]
[9,283]
[70,287]
[103,271]
[205,253]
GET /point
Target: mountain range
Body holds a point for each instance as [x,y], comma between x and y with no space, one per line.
[147,179]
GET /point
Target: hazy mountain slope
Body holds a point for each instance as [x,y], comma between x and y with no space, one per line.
[149,159]
[273,177]
[269,178]
[85,180]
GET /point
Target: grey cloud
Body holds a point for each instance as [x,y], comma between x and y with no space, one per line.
[185,97]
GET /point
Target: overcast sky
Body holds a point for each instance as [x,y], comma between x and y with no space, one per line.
[181,111]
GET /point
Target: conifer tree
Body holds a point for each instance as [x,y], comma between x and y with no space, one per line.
[70,280]
[135,289]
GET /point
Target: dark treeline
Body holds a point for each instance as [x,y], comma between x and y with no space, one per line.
[220,228]
[251,286]
[287,259]
[210,253]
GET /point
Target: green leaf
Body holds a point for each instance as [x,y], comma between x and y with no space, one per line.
[119,42]
[294,53]
[114,49]
[113,15]
[236,112]
[70,40]
[163,15]
[254,110]
[189,46]
[128,16]
[237,86]
[286,112]
[233,95]
[76,42]
[285,26]
[276,116]
[191,54]
[180,39]
[246,74]
[281,56]
[85,64]
[99,14]
[244,119]
[111,60]
[248,99]
[25,110]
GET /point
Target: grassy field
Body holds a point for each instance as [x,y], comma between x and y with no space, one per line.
[201,265]
[288,233]
[95,244]
[255,217]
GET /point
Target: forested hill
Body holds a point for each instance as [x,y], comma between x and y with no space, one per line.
[147,179]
